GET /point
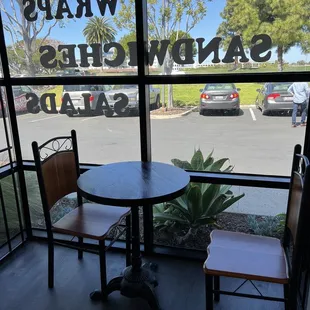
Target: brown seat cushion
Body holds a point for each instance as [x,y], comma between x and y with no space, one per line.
[92,221]
[246,256]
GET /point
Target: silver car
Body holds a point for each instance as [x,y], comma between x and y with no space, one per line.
[76,94]
[131,91]
[219,96]
[274,97]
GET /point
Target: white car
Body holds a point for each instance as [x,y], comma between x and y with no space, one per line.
[174,72]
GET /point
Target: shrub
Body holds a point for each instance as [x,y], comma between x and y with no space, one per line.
[270,226]
[201,203]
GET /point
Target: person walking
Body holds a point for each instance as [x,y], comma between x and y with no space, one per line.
[300,92]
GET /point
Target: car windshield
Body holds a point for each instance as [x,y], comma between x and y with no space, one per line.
[69,88]
[77,87]
[125,87]
[219,87]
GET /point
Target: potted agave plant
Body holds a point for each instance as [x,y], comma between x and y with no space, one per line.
[201,203]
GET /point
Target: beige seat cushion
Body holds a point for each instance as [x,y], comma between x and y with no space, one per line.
[92,221]
[246,256]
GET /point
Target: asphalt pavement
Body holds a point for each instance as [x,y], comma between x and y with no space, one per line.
[254,143]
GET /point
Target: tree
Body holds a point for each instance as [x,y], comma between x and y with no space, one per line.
[125,39]
[99,30]
[18,64]
[131,37]
[281,20]
[165,19]
[19,28]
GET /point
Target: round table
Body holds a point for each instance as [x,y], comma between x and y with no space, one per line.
[133,184]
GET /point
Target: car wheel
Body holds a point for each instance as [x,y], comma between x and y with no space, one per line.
[109,113]
[134,112]
[70,113]
[265,112]
[202,112]
[236,112]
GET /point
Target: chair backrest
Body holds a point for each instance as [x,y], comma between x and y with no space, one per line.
[297,228]
[294,206]
[57,167]
[300,162]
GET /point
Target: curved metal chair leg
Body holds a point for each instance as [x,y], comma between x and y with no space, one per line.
[217,288]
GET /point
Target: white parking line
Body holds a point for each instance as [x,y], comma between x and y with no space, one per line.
[90,118]
[43,119]
[22,116]
[252,114]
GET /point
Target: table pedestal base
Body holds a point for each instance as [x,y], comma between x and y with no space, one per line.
[133,283]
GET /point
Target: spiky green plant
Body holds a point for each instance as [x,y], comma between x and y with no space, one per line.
[201,202]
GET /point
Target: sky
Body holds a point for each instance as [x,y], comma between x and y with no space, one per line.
[72,32]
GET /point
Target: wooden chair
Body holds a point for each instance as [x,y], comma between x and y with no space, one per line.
[250,257]
[57,167]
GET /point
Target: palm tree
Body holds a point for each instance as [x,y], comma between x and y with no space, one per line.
[99,30]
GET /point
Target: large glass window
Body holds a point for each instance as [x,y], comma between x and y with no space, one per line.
[71,39]
[247,123]
[186,222]
[104,117]
[236,127]
[202,37]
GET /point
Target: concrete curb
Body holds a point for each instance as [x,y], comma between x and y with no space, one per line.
[246,106]
[173,116]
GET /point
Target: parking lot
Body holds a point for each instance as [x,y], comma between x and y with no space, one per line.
[253,143]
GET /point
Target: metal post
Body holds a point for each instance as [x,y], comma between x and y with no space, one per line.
[144,109]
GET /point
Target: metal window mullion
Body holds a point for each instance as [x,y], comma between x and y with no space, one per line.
[144,109]
[14,128]
[165,79]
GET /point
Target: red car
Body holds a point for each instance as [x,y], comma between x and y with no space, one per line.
[20,101]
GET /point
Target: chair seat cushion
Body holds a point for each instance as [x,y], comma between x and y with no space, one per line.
[246,256]
[92,221]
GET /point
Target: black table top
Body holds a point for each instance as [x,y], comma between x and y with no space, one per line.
[133,183]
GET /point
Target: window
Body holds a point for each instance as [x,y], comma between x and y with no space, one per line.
[242,122]
[219,87]
[56,110]
[252,214]
[222,90]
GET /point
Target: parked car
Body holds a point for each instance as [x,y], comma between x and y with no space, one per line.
[133,95]
[69,72]
[220,96]
[174,72]
[274,97]
[76,94]
[20,101]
